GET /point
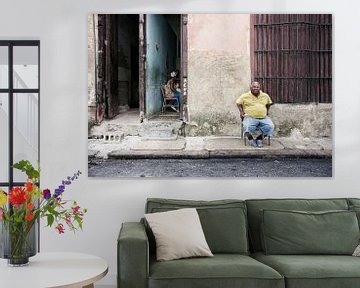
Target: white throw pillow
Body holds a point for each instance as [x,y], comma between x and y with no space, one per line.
[357,251]
[178,234]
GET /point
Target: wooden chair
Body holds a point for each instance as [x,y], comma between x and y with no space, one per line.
[168,102]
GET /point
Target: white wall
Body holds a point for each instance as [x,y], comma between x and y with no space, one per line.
[61,27]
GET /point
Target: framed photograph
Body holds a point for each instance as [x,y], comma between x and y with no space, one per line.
[201,95]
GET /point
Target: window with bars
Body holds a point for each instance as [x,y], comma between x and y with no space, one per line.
[19,108]
[292,56]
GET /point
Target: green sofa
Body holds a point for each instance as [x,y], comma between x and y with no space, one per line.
[260,243]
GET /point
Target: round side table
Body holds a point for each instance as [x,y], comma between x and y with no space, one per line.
[50,270]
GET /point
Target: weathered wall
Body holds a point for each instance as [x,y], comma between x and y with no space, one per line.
[219,72]
[311,120]
[218,67]
[91,67]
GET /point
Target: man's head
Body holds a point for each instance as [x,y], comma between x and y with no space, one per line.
[255,88]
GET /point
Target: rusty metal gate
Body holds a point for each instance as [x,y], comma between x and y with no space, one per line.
[292,56]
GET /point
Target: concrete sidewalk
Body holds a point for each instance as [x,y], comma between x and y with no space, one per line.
[134,147]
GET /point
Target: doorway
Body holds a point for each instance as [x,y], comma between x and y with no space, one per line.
[136,53]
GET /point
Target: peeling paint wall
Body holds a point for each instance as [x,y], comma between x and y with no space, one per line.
[91,68]
[311,120]
[218,66]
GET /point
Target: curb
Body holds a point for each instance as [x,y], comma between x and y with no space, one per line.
[204,154]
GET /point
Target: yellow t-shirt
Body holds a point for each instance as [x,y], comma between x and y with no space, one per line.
[254,106]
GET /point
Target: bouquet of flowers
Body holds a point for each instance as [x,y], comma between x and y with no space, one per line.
[23,206]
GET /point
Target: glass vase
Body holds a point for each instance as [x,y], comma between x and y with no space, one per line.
[18,242]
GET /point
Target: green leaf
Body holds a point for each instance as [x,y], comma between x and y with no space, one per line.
[28,168]
[50,219]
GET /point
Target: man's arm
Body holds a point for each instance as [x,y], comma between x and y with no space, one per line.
[268,104]
[268,108]
[241,109]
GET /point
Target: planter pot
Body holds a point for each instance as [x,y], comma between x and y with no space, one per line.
[17,242]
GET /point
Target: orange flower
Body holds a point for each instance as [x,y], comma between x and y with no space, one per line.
[27,196]
[29,217]
[29,206]
[28,186]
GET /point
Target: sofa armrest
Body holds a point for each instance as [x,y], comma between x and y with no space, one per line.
[133,256]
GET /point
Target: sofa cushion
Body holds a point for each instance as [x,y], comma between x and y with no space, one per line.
[178,234]
[313,271]
[353,201]
[223,221]
[356,209]
[222,270]
[254,216]
[298,232]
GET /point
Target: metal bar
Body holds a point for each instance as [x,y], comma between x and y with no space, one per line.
[291,23]
[25,90]
[294,77]
[38,143]
[11,107]
[19,42]
[252,46]
[304,51]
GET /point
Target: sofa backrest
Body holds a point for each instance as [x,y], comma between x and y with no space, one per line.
[255,206]
[223,221]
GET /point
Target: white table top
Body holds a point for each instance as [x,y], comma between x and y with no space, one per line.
[68,270]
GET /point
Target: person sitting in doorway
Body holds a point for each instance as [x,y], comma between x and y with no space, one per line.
[254,109]
[172,89]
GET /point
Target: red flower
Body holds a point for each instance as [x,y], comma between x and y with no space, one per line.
[75,209]
[68,219]
[29,217]
[60,228]
[29,206]
[17,196]
[27,196]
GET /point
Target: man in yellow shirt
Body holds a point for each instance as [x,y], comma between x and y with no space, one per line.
[254,108]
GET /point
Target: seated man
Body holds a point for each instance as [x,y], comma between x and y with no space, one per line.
[254,108]
[172,90]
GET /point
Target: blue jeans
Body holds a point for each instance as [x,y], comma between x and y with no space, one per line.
[265,125]
[177,94]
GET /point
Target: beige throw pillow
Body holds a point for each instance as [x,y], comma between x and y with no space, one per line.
[178,234]
[357,251]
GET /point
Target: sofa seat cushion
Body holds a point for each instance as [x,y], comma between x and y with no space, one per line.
[313,271]
[222,270]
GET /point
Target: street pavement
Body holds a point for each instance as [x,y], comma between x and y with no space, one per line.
[137,147]
[211,167]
